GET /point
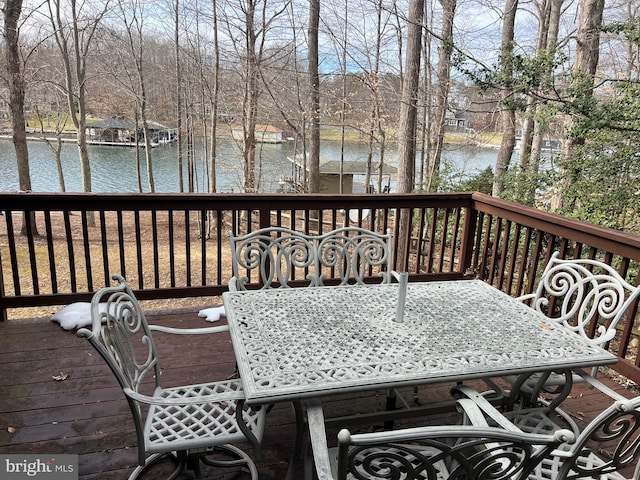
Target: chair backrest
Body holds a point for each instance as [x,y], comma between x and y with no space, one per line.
[444,453]
[275,257]
[615,431]
[120,333]
[587,296]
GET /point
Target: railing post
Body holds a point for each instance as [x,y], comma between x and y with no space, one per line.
[3,309]
[468,239]
[265,217]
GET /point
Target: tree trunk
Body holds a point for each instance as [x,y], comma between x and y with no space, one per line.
[508,113]
[74,39]
[531,167]
[214,103]
[250,99]
[409,103]
[442,93]
[178,71]
[134,27]
[11,11]
[408,117]
[314,86]
[427,108]
[586,63]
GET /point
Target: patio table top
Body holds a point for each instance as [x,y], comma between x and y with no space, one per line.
[297,343]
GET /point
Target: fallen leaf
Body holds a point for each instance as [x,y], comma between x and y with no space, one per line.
[61,376]
[11,429]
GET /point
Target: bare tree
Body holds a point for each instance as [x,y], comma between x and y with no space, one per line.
[408,117]
[314,97]
[56,148]
[74,26]
[133,17]
[409,103]
[436,137]
[215,96]
[426,91]
[376,126]
[248,24]
[178,73]
[584,69]
[11,11]
[508,114]
[533,127]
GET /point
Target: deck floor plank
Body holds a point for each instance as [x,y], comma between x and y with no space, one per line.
[87,414]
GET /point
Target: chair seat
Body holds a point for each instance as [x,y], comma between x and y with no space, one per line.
[555,380]
[194,425]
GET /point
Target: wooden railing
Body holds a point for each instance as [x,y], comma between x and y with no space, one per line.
[176,245]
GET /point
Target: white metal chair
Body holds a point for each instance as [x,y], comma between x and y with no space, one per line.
[188,423]
[585,296]
[277,257]
[449,452]
[616,430]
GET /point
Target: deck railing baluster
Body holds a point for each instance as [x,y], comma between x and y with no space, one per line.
[448,236]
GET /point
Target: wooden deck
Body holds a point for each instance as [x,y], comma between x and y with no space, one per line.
[87,414]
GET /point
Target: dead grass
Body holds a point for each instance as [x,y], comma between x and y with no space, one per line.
[176,252]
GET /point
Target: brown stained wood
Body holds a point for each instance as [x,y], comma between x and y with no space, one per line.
[154,241]
[88,415]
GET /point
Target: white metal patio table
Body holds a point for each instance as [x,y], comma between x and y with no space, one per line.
[300,343]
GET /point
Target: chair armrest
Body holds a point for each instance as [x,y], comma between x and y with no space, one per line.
[591,380]
[477,407]
[472,414]
[181,401]
[233,284]
[189,331]
[318,437]
[524,298]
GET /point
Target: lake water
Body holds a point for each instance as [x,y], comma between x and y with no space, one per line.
[113,169]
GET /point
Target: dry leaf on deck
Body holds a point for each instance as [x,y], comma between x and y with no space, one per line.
[61,376]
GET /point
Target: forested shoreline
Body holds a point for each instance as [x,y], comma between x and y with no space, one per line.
[407,72]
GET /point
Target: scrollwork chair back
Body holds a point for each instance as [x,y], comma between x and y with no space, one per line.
[184,422]
[122,336]
[275,257]
[615,431]
[587,296]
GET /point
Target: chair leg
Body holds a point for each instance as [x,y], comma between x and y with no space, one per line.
[390,406]
[157,458]
[241,459]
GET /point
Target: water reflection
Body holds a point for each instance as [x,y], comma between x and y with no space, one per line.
[113,169]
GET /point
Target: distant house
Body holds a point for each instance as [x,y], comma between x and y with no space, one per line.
[263,133]
[455,121]
[330,175]
[548,145]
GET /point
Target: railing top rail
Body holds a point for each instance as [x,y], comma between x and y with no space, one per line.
[614,241]
[191,201]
